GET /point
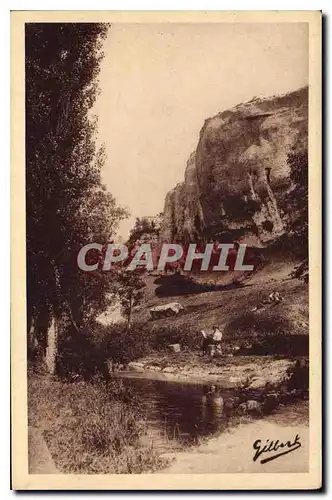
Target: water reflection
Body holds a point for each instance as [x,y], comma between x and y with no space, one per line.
[212,406]
[179,412]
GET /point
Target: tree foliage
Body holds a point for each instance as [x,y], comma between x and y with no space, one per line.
[298,202]
[145,226]
[128,288]
[67,205]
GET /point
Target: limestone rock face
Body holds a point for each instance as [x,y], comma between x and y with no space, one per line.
[236,181]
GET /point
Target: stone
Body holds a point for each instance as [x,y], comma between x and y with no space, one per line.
[250,407]
[242,409]
[253,406]
[169,369]
[155,368]
[166,310]
[232,403]
[271,401]
[136,366]
[230,184]
[175,347]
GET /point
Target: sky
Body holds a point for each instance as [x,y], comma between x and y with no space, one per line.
[160,82]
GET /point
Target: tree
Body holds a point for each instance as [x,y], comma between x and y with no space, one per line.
[298,209]
[129,290]
[67,205]
[145,226]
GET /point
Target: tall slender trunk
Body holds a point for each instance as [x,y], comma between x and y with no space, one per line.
[53,330]
[32,339]
[129,313]
[51,349]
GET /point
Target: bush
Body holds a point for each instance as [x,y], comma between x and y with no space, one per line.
[298,375]
[122,346]
[251,324]
[80,357]
[182,334]
[297,201]
[267,334]
[85,354]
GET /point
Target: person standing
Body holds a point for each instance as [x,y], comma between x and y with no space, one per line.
[217,338]
[206,342]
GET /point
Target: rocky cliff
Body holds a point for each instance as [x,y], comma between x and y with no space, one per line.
[236,181]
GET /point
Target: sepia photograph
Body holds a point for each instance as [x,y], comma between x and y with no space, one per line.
[166,282]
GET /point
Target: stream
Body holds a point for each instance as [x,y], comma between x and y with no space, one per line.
[177,413]
[181,414]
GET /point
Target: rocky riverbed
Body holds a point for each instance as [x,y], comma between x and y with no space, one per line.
[253,371]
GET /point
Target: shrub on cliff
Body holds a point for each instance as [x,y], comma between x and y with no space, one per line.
[145,226]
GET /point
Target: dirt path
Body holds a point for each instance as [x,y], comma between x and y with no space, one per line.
[40,458]
[233,450]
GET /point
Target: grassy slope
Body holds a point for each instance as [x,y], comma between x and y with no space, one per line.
[203,310]
[232,310]
[88,428]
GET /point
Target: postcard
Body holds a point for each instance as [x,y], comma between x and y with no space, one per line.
[166,250]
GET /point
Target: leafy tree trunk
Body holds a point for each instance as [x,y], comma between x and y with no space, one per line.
[130,308]
[51,350]
[32,339]
[67,206]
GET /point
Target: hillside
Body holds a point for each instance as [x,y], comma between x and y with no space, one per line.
[203,310]
[260,344]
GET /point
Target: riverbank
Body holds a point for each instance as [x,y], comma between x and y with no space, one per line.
[126,426]
[86,428]
[259,345]
[96,428]
[229,371]
[233,451]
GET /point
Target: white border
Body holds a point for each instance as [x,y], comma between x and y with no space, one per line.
[4,198]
